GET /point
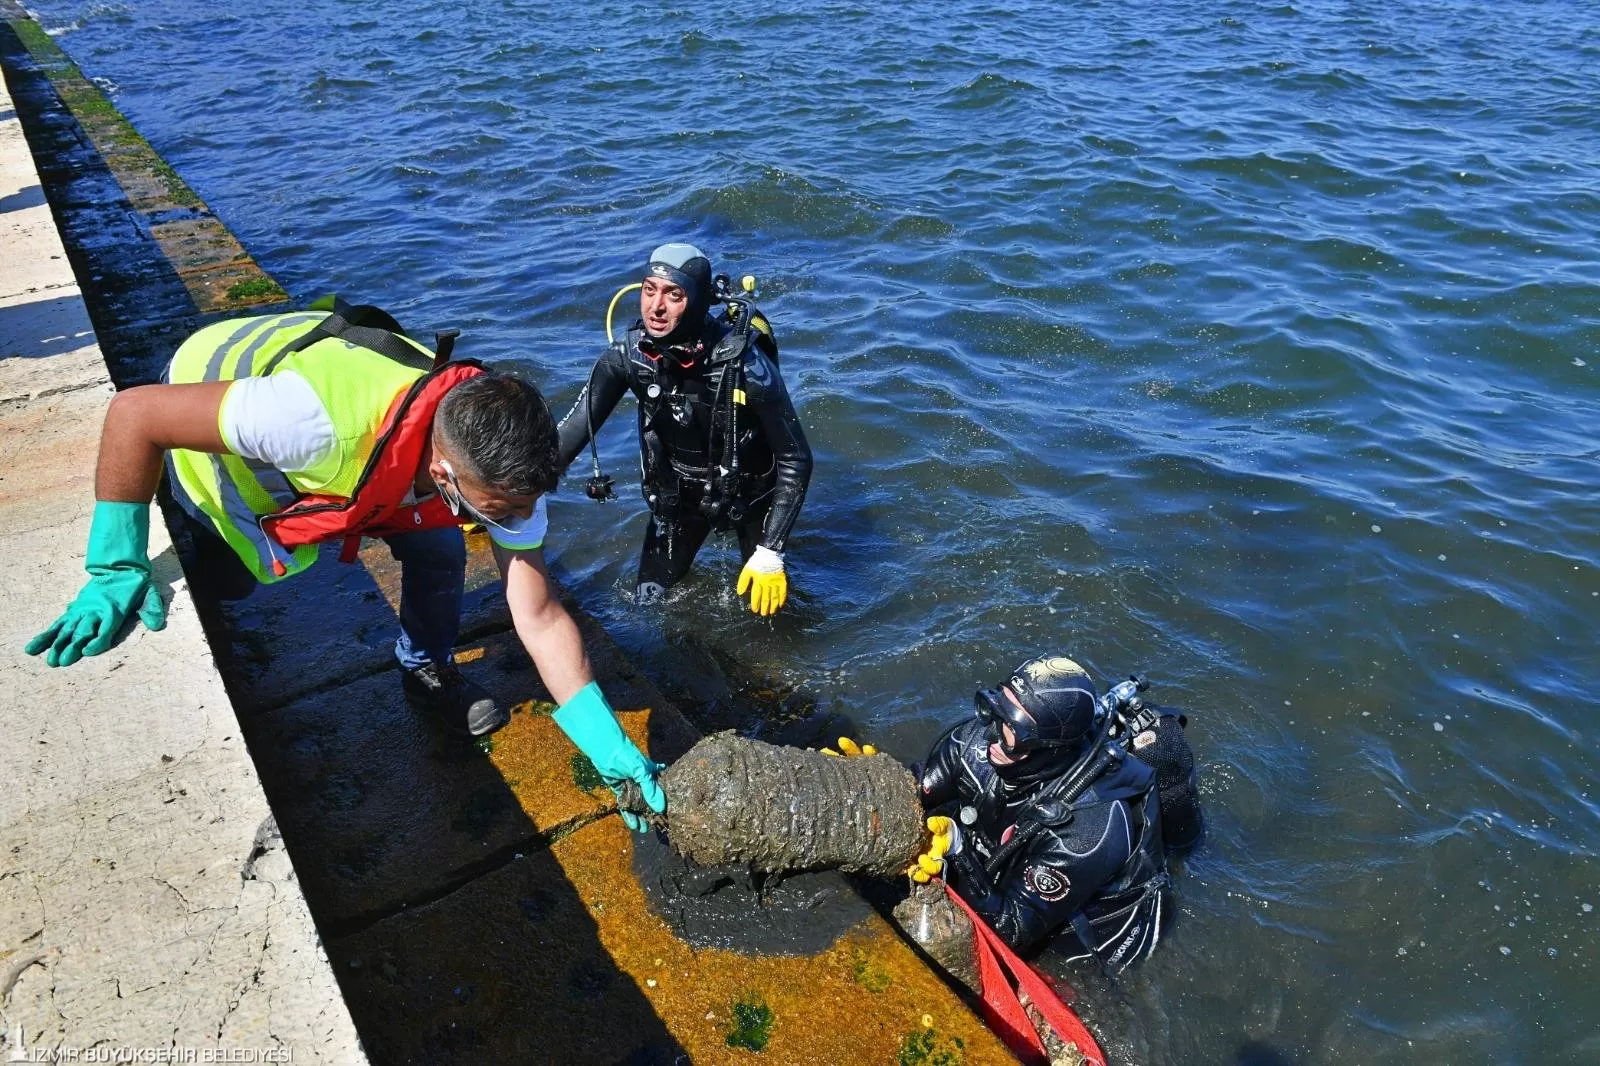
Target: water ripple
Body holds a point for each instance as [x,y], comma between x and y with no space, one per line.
[1251,347]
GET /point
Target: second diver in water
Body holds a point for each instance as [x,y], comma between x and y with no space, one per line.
[1059,833]
[720,444]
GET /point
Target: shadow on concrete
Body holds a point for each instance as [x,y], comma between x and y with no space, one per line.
[51,327]
[455,934]
[138,305]
[32,196]
[453,930]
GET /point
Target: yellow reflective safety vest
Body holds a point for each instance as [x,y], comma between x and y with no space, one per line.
[382,413]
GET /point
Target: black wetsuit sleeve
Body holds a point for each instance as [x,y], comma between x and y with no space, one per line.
[607,382]
[768,400]
[939,775]
[1060,872]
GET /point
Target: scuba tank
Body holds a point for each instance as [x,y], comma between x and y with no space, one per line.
[1155,736]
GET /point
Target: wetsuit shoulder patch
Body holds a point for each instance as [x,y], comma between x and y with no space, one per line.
[1047,883]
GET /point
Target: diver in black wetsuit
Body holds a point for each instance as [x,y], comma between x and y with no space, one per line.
[720,444]
[1058,830]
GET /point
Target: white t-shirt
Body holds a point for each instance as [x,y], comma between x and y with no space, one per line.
[279,420]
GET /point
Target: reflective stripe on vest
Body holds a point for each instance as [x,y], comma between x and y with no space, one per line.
[356,386]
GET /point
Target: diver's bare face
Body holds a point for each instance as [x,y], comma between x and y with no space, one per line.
[661,305]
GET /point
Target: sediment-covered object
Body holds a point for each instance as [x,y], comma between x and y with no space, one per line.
[735,801]
[1058,1050]
[937,926]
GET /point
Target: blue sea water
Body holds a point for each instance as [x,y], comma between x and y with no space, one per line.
[1251,347]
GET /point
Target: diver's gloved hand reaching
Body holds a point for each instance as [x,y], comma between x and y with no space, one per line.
[589,723]
[946,841]
[763,575]
[119,584]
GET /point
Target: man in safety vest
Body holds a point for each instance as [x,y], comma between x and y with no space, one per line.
[284,431]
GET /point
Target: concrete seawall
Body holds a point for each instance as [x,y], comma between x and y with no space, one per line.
[478,904]
[141,905]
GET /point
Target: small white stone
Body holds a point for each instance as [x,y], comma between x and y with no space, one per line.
[1441,557]
[1588,908]
[1377,528]
[1504,950]
[650,982]
[1438,727]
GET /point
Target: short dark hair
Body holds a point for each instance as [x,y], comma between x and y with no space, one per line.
[501,428]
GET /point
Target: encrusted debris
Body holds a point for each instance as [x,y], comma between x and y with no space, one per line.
[937,926]
[735,801]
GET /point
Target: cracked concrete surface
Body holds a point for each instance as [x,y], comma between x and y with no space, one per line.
[145,896]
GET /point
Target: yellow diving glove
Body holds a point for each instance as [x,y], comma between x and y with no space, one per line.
[763,576]
[946,841]
[849,749]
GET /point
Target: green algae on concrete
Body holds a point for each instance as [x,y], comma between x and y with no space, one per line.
[584,775]
[868,972]
[256,290]
[752,1024]
[925,1047]
[219,275]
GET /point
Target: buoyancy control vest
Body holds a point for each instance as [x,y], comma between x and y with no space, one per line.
[1122,923]
[696,450]
[381,390]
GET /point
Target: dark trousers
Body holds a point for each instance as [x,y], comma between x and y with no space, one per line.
[665,559]
[433,570]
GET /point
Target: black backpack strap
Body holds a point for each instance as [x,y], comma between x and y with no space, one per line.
[357,314]
[367,327]
[444,345]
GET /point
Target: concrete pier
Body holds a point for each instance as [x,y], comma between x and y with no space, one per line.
[476,904]
[142,905]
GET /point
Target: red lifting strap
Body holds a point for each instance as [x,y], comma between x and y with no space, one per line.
[1003,975]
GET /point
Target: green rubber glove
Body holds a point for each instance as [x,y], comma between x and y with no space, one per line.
[119,584]
[587,720]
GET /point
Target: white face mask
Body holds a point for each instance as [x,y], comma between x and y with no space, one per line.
[450,491]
